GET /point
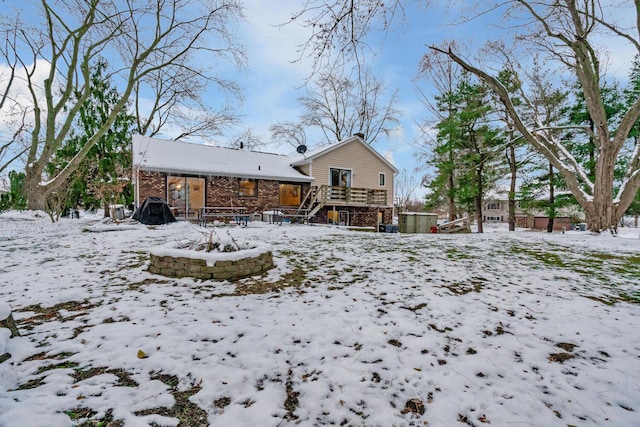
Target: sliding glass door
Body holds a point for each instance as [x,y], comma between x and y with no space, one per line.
[185,196]
[339,181]
[340,177]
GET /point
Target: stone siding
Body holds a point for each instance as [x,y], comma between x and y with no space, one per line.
[222,270]
[220,191]
[223,191]
[152,184]
[358,216]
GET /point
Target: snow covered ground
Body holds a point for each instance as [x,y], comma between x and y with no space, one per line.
[350,328]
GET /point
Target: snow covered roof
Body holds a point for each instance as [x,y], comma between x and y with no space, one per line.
[308,157]
[182,157]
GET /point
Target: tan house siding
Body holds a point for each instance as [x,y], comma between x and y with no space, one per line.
[365,166]
[305,169]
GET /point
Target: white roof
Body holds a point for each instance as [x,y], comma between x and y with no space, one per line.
[160,155]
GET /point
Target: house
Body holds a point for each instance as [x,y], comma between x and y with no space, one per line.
[353,183]
[541,222]
[347,182]
[495,210]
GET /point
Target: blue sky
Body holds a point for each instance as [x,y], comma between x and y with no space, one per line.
[273,80]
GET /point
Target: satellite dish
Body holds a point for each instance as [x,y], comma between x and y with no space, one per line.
[301,149]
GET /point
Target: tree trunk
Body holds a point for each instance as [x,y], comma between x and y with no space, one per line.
[452,200]
[512,187]
[479,195]
[34,192]
[550,225]
[603,215]
[10,324]
[37,193]
[552,201]
[478,203]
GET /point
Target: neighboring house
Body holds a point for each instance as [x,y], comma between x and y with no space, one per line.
[346,182]
[541,222]
[495,210]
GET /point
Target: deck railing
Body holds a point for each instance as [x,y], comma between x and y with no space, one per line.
[350,196]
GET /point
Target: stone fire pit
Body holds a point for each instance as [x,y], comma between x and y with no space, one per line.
[212,259]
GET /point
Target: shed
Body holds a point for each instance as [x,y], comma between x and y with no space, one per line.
[417,222]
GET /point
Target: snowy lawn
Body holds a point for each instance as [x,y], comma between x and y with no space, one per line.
[351,328]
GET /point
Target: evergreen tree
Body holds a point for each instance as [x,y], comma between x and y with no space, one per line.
[444,155]
[544,190]
[14,198]
[467,147]
[631,93]
[546,106]
[634,209]
[102,177]
[582,147]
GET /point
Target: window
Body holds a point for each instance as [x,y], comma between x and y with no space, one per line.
[290,194]
[493,219]
[382,179]
[493,206]
[340,177]
[247,187]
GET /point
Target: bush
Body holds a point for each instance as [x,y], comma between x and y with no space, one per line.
[14,199]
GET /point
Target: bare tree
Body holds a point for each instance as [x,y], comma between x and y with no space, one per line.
[570,34]
[172,97]
[289,133]
[14,114]
[146,40]
[341,107]
[340,28]
[247,139]
[405,184]
[566,30]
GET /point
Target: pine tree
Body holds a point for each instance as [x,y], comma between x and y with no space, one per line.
[102,177]
[467,147]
